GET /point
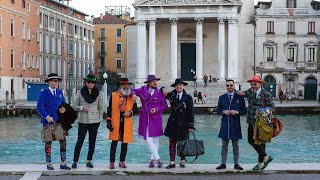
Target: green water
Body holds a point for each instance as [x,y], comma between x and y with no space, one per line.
[299,142]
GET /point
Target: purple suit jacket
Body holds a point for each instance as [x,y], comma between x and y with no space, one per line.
[151,121]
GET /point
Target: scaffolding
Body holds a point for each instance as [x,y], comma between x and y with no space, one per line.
[118,10]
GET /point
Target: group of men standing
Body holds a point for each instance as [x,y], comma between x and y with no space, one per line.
[153,103]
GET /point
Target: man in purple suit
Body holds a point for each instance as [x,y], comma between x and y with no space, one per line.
[153,103]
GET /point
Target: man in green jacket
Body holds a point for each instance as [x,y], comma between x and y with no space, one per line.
[257,97]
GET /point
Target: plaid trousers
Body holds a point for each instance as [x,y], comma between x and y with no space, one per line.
[172,150]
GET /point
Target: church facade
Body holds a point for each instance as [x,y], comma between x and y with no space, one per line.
[183,38]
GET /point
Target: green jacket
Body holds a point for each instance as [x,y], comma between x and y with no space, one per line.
[264,100]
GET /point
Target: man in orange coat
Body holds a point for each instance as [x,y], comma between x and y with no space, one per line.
[119,121]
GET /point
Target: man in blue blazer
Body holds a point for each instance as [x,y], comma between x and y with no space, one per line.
[230,106]
[48,107]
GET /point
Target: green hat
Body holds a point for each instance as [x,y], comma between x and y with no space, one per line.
[91,77]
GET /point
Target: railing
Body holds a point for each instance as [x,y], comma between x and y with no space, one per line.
[311,65]
[102,54]
[102,38]
[290,65]
[269,64]
[295,11]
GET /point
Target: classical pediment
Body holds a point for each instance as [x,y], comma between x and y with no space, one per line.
[186,2]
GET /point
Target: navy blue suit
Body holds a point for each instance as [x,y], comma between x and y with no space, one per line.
[230,125]
[48,104]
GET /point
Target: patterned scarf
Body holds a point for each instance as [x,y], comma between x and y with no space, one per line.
[122,103]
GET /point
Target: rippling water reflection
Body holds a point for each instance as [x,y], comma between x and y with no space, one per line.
[299,142]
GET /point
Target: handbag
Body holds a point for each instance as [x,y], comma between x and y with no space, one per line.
[52,132]
[277,126]
[190,147]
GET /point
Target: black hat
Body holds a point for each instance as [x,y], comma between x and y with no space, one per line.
[124,81]
[52,76]
[91,77]
[178,81]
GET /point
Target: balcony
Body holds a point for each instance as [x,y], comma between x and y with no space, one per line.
[291,65]
[311,65]
[102,54]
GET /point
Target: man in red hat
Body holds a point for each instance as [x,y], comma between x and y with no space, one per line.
[258,98]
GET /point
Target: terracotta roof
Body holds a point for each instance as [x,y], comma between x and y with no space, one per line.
[109,19]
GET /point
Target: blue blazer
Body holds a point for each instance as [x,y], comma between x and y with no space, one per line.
[48,104]
[230,125]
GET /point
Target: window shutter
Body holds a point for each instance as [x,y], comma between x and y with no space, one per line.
[295,3]
[288,3]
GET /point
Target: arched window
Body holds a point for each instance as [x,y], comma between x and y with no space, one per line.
[12,59]
[23,30]
[12,28]
[28,36]
[28,61]
[291,3]
[23,60]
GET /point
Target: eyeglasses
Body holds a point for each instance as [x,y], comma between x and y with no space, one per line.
[253,84]
[229,85]
[90,82]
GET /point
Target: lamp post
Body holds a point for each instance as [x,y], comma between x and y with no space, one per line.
[260,66]
[105,90]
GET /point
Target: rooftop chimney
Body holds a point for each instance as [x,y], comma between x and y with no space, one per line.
[101,16]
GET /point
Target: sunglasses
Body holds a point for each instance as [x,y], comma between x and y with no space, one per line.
[90,82]
[253,84]
[229,85]
[55,80]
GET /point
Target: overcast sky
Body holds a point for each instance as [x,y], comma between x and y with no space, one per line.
[96,7]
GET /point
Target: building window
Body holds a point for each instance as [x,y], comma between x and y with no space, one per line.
[0,24]
[23,4]
[270,27]
[75,29]
[119,60]
[28,61]
[311,28]
[290,54]
[28,6]
[28,35]
[311,54]
[12,28]
[84,32]
[12,59]
[270,53]
[291,3]
[12,1]
[119,48]
[23,60]
[32,61]
[119,32]
[71,48]
[102,33]
[23,83]
[23,31]
[0,58]
[40,18]
[291,28]
[58,25]
[70,28]
[46,21]
[37,62]
[52,22]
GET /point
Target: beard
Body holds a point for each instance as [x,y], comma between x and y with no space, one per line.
[125,91]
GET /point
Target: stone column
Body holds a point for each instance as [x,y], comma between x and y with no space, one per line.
[152,47]
[141,66]
[233,49]
[221,50]
[174,48]
[199,49]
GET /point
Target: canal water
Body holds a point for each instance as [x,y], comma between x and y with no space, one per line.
[299,142]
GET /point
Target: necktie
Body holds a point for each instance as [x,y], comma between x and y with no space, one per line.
[230,97]
[54,92]
[150,92]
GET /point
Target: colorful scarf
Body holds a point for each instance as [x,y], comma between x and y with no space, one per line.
[122,103]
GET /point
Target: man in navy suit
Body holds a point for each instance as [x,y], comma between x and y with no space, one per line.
[48,107]
[230,106]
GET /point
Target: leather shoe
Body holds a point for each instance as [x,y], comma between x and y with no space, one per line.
[170,166]
[74,165]
[238,167]
[222,166]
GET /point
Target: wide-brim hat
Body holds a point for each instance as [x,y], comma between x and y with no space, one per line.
[52,76]
[124,81]
[178,81]
[256,79]
[91,77]
[151,78]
